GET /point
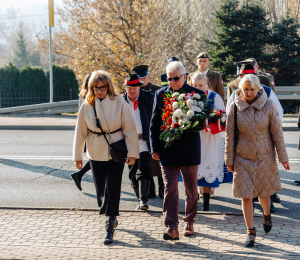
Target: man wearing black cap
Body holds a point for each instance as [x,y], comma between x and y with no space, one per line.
[260,73]
[140,103]
[263,77]
[214,79]
[233,85]
[144,75]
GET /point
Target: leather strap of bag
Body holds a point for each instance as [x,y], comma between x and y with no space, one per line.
[99,125]
[236,131]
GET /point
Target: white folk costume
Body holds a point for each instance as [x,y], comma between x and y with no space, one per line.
[212,171]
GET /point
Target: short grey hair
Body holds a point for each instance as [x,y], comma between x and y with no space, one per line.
[174,65]
[199,75]
[253,79]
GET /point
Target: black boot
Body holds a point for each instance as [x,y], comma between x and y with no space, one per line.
[251,237]
[161,187]
[206,197]
[275,198]
[151,193]
[144,188]
[137,194]
[267,223]
[77,179]
[111,224]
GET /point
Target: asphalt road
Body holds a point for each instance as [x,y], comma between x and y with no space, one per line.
[35,168]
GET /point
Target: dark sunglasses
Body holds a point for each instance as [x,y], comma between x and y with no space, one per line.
[99,89]
[175,78]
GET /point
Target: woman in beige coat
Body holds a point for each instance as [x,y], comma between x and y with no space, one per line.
[117,123]
[253,157]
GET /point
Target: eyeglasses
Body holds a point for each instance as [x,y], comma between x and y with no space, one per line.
[175,78]
[96,89]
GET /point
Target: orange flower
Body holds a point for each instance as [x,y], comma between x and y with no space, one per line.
[169,121]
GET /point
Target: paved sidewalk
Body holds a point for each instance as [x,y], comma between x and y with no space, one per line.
[60,122]
[32,234]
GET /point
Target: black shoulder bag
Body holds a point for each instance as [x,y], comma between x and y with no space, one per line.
[118,150]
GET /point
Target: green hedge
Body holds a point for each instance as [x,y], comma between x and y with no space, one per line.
[64,79]
[32,79]
[9,78]
[35,79]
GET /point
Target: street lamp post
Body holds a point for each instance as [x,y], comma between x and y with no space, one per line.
[51,24]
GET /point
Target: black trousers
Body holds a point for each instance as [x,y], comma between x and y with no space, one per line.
[140,169]
[108,178]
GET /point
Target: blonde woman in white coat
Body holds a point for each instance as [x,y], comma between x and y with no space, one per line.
[117,122]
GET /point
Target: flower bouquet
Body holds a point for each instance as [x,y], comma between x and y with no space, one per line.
[183,112]
[218,126]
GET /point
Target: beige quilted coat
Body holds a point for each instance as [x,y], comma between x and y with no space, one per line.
[255,167]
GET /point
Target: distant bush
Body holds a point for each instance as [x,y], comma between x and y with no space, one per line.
[32,79]
[9,78]
[64,79]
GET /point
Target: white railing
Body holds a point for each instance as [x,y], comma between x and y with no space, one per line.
[70,106]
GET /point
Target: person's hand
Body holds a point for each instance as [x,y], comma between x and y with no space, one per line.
[286,165]
[299,124]
[130,160]
[155,156]
[230,168]
[78,164]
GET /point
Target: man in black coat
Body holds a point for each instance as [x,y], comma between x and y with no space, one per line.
[144,75]
[140,103]
[183,155]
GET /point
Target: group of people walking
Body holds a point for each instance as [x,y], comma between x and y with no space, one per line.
[115,129]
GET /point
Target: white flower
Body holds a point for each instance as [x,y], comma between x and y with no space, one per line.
[196,95]
[178,112]
[190,113]
[168,139]
[175,94]
[190,102]
[223,119]
[201,104]
[175,105]
[182,96]
[181,122]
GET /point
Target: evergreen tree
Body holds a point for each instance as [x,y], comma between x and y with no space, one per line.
[242,33]
[286,62]
[20,54]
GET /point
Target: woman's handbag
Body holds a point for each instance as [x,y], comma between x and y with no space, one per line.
[118,150]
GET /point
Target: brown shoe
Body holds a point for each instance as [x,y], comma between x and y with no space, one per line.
[172,234]
[188,230]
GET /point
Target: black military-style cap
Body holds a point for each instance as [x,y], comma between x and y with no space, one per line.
[173,59]
[202,55]
[141,70]
[132,80]
[164,80]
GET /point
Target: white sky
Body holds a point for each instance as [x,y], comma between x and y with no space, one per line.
[19,3]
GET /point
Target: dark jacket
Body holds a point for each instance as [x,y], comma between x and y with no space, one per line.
[145,106]
[151,88]
[182,152]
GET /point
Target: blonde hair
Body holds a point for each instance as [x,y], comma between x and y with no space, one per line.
[84,87]
[197,75]
[104,77]
[253,79]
